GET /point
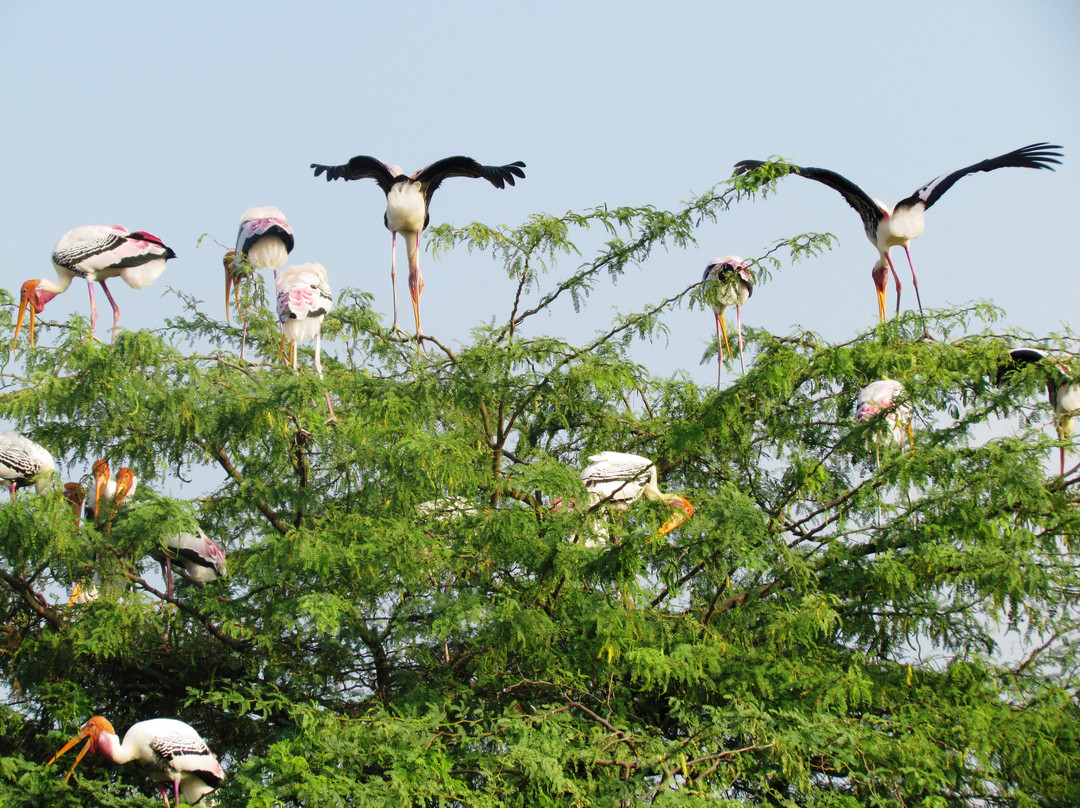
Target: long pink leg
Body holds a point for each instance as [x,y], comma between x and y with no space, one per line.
[914,280]
[719,352]
[393,274]
[416,284]
[115,309]
[896,281]
[93,308]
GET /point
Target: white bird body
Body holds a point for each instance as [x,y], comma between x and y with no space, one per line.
[888,227]
[618,479]
[303,300]
[96,253]
[734,284]
[886,395]
[265,237]
[200,557]
[170,751]
[408,202]
[23,462]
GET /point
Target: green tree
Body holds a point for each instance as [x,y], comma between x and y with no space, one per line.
[369,647]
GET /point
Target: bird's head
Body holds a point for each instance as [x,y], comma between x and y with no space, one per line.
[92,731]
[125,485]
[75,494]
[684,510]
[880,273]
[33,298]
[101,472]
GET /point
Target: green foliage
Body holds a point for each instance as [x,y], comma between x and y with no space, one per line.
[823,631]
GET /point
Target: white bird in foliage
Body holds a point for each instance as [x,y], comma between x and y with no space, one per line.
[106,497]
[732,284]
[96,253]
[617,479]
[896,226]
[23,463]
[170,751]
[886,396]
[1064,395]
[264,241]
[408,199]
[303,300]
[201,559]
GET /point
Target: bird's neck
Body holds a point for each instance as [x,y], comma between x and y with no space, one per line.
[109,745]
[52,287]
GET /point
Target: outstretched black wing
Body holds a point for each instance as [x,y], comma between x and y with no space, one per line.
[1037,155]
[361,167]
[499,176]
[864,205]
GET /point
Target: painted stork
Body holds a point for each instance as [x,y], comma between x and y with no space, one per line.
[170,751]
[96,253]
[1064,395]
[106,497]
[23,463]
[895,227]
[408,199]
[728,282]
[618,480]
[75,494]
[201,559]
[303,299]
[264,241]
[886,396]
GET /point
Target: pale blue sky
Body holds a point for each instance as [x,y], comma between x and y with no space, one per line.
[174,118]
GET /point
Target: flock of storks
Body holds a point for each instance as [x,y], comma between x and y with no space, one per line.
[172,751]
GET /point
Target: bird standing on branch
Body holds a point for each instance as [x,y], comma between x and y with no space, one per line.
[1063,394]
[170,751]
[263,241]
[729,282]
[23,463]
[618,480]
[96,253]
[895,227]
[408,199]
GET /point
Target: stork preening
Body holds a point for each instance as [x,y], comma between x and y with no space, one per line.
[617,480]
[303,300]
[886,396]
[200,559]
[1063,394]
[170,751]
[23,463]
[728,282]
[408,199]
[896,226]
[96,253]
[264,241]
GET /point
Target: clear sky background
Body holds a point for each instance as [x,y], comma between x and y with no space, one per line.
[175,118]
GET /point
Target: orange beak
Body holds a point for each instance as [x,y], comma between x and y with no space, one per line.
[101,479]
[124,480]
[28,301]
[90,733]
[684,510]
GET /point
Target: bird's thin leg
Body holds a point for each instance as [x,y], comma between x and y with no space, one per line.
[416,281]
[896,281]
[738,319]
[719,355]
[393,276]
[115,309]
[318,352]
[292,353]
[914,280]
[243,339]
[165,794]
[93,308]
